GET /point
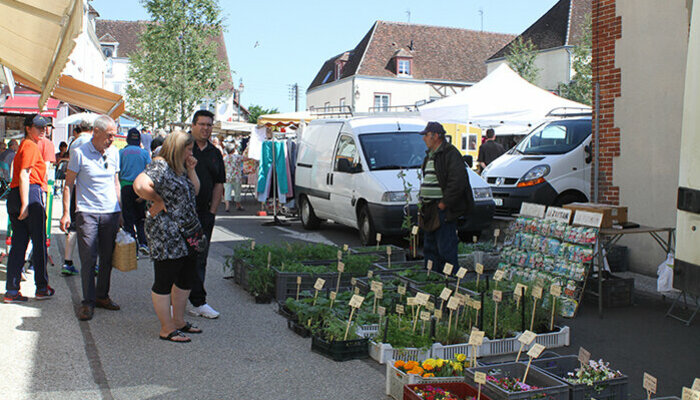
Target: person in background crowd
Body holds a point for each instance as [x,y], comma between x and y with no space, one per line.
[157,142]
[146,139]
[93,170]
[26,210]
[443,191]
[133,160]
[6,159]
[81,135]
[170,184]
[212,175]
[62,154]
[216,143]
[234,177]
[489,150]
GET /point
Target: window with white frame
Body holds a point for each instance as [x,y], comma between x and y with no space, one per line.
[403,67]
[382,101]
[341,103]
[326,106]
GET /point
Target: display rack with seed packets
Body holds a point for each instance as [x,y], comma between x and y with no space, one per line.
[544,245]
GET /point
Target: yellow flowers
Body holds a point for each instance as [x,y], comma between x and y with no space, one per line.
[461,357]
[429,364]
[432,367]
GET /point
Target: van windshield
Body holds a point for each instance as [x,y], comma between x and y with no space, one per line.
[393,150]
[556,137]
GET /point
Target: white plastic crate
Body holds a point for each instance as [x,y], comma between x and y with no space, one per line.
[369,330]
[384,353]
[395,380]
[451,350]
[493,347]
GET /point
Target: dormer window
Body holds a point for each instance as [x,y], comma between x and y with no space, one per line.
[108,51]
[403,66]
[340,64]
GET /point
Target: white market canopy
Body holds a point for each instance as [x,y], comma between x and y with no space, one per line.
[285,119]
[502,98]
[36,38]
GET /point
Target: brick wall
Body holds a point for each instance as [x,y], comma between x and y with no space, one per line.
[607,28]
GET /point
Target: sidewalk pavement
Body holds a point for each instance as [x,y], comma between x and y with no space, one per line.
[248,352]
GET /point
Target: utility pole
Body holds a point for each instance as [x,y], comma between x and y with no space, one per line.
[294,95]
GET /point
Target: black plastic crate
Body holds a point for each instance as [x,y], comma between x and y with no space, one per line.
[299,329]
[551,388]
[284,311]
[341,350]
[618,258]
[613,389]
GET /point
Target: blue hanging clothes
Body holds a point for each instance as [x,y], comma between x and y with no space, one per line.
[264,177]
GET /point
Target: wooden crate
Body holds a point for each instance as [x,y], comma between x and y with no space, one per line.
[611,214]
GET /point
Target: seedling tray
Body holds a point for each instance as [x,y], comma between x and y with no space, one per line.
[340,350]
[551,387]
[560,367]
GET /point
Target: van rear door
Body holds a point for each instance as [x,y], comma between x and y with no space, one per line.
[346,170]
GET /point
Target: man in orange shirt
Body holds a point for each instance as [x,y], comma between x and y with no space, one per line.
[25,207]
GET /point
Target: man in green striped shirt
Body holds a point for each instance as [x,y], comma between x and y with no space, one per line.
[443,195]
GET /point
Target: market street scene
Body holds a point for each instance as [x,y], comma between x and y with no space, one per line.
[442,201]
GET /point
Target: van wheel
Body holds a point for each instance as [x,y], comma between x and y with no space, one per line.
[309,220]
[368,235]
[569,198]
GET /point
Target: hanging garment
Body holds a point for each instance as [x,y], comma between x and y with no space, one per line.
[266,167]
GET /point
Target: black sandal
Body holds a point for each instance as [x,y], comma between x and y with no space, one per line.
[174,334]
[189,328]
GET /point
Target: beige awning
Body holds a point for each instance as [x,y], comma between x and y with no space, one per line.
[81,94]
[285,119]
[36,38]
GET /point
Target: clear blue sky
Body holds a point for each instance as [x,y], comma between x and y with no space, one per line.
[295,37]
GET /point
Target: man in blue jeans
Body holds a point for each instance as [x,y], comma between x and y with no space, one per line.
[445,195]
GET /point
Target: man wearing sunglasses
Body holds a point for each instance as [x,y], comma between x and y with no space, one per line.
[93,169]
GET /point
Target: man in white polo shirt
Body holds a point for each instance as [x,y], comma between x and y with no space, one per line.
[93,169]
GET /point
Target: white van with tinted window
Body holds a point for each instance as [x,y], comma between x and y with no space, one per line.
[347,171]
[550,166]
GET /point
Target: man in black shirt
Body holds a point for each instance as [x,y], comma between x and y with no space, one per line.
[212,175]
[489,150]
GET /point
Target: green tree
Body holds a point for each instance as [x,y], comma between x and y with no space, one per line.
[256,111]
[521,58]
[177,65]
[580,87]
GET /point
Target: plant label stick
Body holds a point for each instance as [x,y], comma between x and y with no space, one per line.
[414,238]
[298,286]
[382,312]
[424,316]
[370,274]
[340,255]
[519,292]
[497,297]
[318,286]
[690,394]
[252,245]
[649,385]
[479,270]
[333,295]
[536,295]
[346,248]
[388,256]
[415,319]
[438,314]
[355,303]
[379,239]
[480,379]
[447,269]
[429,266]
[402,291]
[474,239]
[498,277]
[555,291]
[534,352]
[269,259]
[353,282]
[696,385]
[496,234]
[341,268]
[452,305]
[399,311]
[430,306]
[584,356]
[476,339]
[525,339]
[461,273]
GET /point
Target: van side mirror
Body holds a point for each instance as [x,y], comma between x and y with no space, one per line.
[589,155]
[344,165]
[469,160]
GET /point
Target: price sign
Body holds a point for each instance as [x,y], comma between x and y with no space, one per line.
[370,274]
[341,266]
[333,295]
[453,303]
[346,248]
[536,350]
[319,284]
[357,290]
[447,270]
[476,305]
[356,301]
[462,298]
[399,309]
[429,265]
[461,272]
[480,378]
[537,292]
[381,311]
[388,250]
[353,281]
[425,315]
[649,383]
[475,239]
[298,280]
[446,293]
[379,294]
[410,301]
[401,289]
[430,306]
[252,245]
[696,384]
[498,276]
[519,289]
[497,296]
[584,356]
[479,268]
[422,299]
[555,290]
[414,230]
[377,286]
[340,254]
[476,338]
[690,394]
[527,337]
[496,232]
[438,314]
[379,237]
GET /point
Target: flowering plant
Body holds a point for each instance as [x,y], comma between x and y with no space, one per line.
[510,384]
[435,367]
[434,393]
[595,371]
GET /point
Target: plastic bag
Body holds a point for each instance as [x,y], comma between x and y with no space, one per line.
[123,237]
[665,273]
[124,256]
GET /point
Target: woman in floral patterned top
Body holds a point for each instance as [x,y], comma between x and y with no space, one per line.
[234,177]
[170,185]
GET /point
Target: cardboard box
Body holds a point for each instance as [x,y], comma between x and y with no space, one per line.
[612,215]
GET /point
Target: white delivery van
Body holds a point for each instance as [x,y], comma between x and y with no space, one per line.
[347,171]
[550,166]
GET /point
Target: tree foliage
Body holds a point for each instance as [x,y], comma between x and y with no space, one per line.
[177,65]
[521,58]
[256,111]
[579,88]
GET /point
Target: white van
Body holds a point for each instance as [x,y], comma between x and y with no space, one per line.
[551,166]
[347,171]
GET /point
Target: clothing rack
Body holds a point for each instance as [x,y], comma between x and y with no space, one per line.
[276,221]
